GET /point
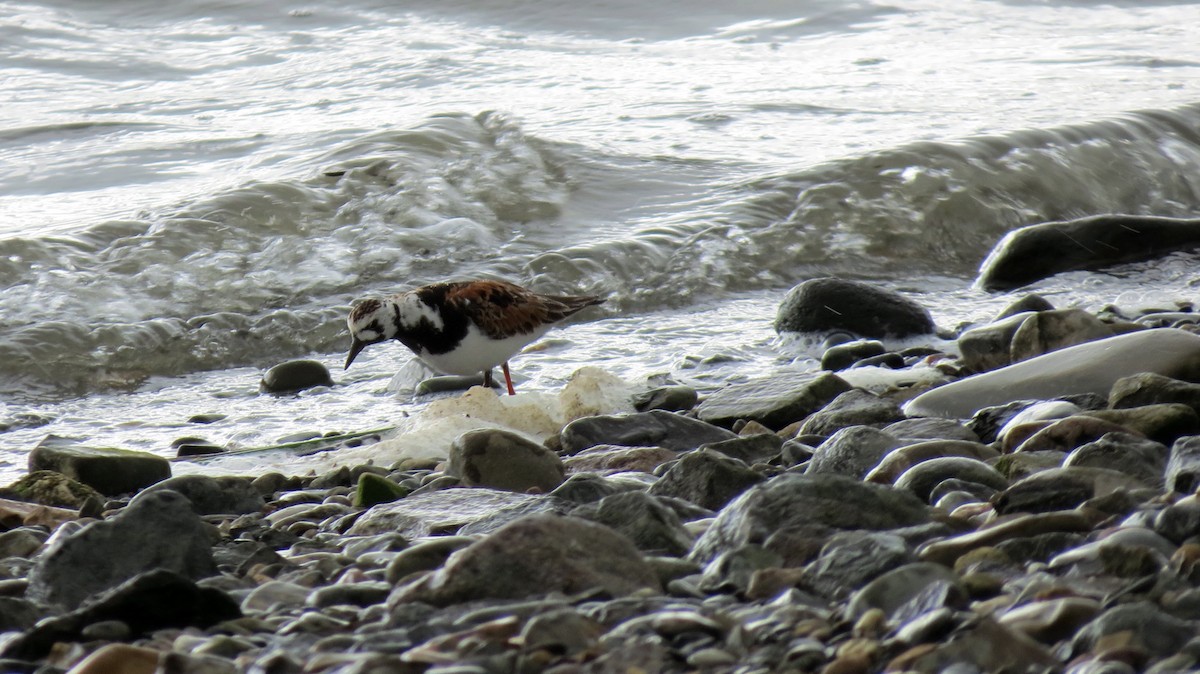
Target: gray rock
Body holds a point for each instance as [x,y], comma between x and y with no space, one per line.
[613,458]
[899,460]
[535,556]
[350,594]
[733,570]
[1143,459]
[852,451]
[18,615]
[931,428]
[831,501]
[922,478]
[1180,520]
[502,459]
[1086,368]
[667,398]
[774,401]
[443,511]
[1144,625]
[909,591]
[652,526]
[295,375]
[107,470]
[852,558]
[988,347]
[139,603]
[748,448]
[588,488]
[842,356]
[1047,491]
[160,531]
[1030,302]
[514,512]
[1183,466]
[855,407]
[1048,331]
[1148,388]
[1035,252]
[1164,423]
[648,429]
[825,305]
[211,495]
[425,556]
[706,478]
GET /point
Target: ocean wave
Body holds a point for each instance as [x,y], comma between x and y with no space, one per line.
[267,270]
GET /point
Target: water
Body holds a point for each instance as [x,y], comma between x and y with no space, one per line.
[192,192]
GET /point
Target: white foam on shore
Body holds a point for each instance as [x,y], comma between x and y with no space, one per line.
[538,416]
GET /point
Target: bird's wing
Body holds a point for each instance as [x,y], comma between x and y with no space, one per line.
[503,309]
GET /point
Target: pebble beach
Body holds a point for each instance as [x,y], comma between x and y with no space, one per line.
[931,517]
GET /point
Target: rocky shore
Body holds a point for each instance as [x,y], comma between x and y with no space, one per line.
[1023,502]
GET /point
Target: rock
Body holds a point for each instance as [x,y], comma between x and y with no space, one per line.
[211,495]
[1144,460]
[751,449]
[1086,368]
[107,470]
[652,526]
[774,401]
[909,591]
[982,646]
[160,531]
[119,659]
[501,459]
[443,511]
[614,459]
[1180,520]
[666,398]
[922,478]
[51,488]
[295,375]
[349,594]
[1127,552]
[1030,302]
[17,615]
[535,556]
[824,305]
[855,407]
[850,559]
[832,501]
[1052,620]
[897,461]
[647,429]
[1164,423]
[930,428]
[1028,421]
[139,604]
[947,550]
[1048,331]
[1142,625]
[425,556]
[1066,434]
[988,347]
[1036,252]
[1148,388]
[842,356]
[708,479]
[588,488]
[1183,466]
[1047,491]
[852,451]
[374,489]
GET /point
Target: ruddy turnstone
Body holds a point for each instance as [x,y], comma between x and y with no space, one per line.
[462,327]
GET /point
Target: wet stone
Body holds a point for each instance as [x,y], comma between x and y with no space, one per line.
[850,559]
[612,458]
[504,460]
[652,526]
[774,401]
[844,355]
[211,495]
[852,451]
[295,375]
[1148,388]
[931,428]
[924,477]
[826,305]
[667,398]
[1143,459]
[855,407]
[107,470]
[649,429]
[707,478]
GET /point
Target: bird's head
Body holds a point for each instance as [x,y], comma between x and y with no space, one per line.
[370,322]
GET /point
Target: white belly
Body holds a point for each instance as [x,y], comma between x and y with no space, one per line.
[477,353]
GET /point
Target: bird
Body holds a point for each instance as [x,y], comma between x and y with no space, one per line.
[462,327]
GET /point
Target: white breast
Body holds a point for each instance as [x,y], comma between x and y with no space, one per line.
[478,352]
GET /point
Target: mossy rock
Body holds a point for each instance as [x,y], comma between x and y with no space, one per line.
[375,489]
[50,488]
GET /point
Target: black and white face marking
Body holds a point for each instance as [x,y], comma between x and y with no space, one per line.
[370,322]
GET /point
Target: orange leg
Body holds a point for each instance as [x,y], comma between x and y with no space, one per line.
[508,379]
